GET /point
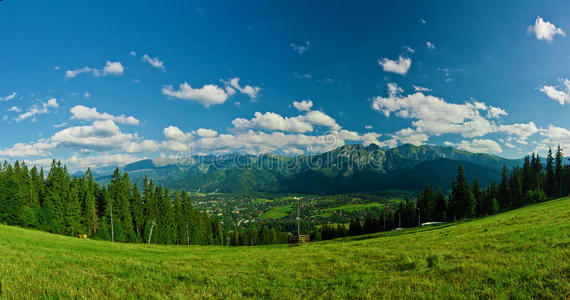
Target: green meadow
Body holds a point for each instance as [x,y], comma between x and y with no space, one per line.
[523,253]
[277,212]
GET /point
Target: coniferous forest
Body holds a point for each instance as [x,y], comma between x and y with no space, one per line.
[124,212]
[121,211]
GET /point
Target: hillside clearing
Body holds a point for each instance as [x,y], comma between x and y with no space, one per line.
[518,254]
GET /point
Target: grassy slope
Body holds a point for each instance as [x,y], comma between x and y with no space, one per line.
[277,212]
[523,253]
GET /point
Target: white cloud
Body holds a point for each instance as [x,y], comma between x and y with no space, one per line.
[251,91]
[554,136]
[434,116]
[110,68]
[155,62]
[81,112]
[495,112]
[409,49]
[34,110]
[102,160]
[303,105]
[430,46]
[410,136]
[368,127]
[15,109]
[521,130]
[87,95]
[9,97]
[174,133]
[203,132]
[422,21]
[113,68]
[302,76]
[544,30]
[418,88]
[394,89]
[400,66]
[478,146]
[75,72]
[316,117]
[102,136]
[272,121]
[25,150]
[560,95]
[207,95]
[300,48]
[133,53]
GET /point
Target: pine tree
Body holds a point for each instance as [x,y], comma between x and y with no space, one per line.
[90,219]
[440,205]
[464,201]
[558,171]
[504,196]
[476,190]
[550,184]
[137,215]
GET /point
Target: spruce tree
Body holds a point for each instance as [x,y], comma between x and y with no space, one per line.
[550,182]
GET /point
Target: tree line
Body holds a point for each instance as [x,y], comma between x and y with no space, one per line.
[120,211]
[530,183]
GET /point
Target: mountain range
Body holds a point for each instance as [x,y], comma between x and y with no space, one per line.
[349,168]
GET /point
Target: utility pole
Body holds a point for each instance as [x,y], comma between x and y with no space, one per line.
[419,217]
[187,235]
[298,220]
[112,227]
[151,228]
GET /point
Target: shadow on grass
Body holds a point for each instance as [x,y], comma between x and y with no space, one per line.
[395,233]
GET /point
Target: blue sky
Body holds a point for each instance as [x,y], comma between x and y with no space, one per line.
[99,83]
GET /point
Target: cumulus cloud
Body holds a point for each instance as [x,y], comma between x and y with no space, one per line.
[300,48]
[9,97]
[434,116]
[409,136]
[101,160]
[207,95]
[303,105]
[203,132]
[394,89]
[430,46]
[562,95]
[478,146]
[271,121]
[174,133]
[399,66]
[155,62]
[544,30]
[251,91]
[554,136]
[38,109]
[522,131]
[102,136]
[110,68]
[81,112]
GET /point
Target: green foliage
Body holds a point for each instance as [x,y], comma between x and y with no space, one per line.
[519,254]
[77,205]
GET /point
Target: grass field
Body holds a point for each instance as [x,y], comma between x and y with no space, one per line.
[518,254]
[353,207]
[277,212]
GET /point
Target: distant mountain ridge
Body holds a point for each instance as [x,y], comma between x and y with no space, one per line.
[349,168]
